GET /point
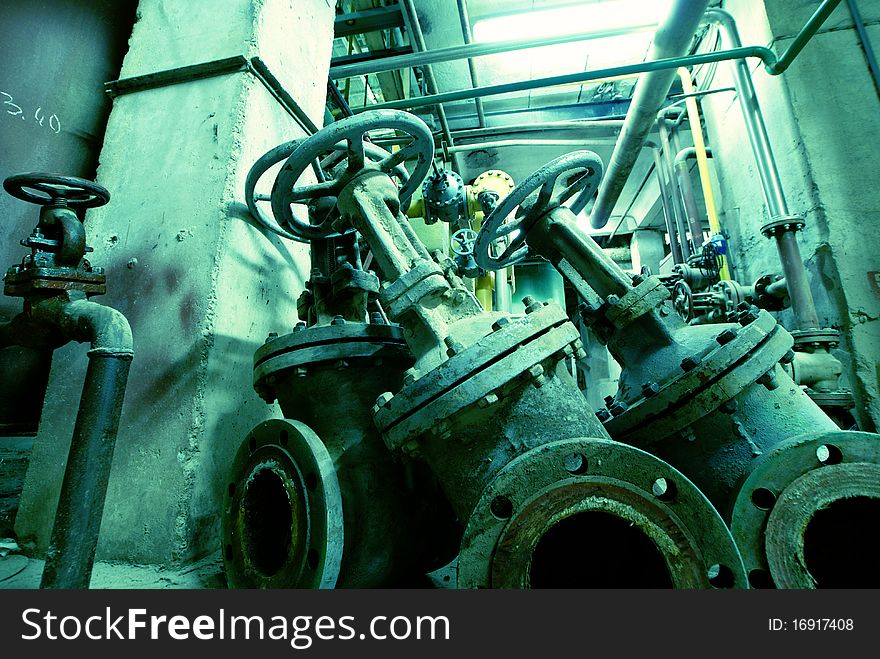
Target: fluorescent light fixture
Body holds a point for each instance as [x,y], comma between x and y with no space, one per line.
[570,19]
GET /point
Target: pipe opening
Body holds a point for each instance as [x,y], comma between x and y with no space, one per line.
[836,551]
[596,549]
[267,522]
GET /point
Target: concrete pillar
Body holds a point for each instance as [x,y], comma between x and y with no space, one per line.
[646,247]
[200,284]
[822,116]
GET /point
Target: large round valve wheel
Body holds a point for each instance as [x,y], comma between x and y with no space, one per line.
[353,132]
[583,172]
[281,153]
[52,189]
[282,523]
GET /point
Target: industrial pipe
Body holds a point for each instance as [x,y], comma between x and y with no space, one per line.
[686,188]
[678,211]
[675,243]
[419,39]
[672,39]
[468,37]
[802,304]
[455,53]
[74,538]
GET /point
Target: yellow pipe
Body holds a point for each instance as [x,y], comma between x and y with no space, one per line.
[693,113]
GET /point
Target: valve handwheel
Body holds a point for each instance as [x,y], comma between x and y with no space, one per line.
[462,242]
[54,190]
[281,153]
[531,208]
[352,130]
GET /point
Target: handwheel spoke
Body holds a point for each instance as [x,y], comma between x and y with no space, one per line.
[259,196]
[356,156]
[402,154]
[507,229]
[512,248]
[314,191]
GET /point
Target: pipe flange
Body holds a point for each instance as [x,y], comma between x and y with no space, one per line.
[638,301]
[811,339]
[511,350]
[566,486]
[787,487]
[842,398]
[783,224]
[304,348]
[282,521]
[704,383]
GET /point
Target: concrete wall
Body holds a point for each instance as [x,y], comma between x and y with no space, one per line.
[200,284]
[823,117]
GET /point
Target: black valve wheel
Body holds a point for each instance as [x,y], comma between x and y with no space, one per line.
[352,131]
[532,199]
[54,190]
[462,242]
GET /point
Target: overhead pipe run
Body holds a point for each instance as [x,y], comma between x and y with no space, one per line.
[419,38]
[472,50]
[472,69]
[672,39]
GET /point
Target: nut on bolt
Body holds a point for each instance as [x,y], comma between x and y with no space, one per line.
[501,322]
[488,399]
[650,389]
[531,304]
[603,415]
[337,320]
[299,327]
[272,335]
[769,380]
[409,376]
[536,373]
[453,347]
[788,357]
[384,399]
[618,408]
[726,336]
[690,363]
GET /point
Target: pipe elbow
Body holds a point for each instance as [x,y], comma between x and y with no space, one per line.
[78,319]
[105,328]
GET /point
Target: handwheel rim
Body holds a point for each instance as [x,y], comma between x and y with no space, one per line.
[352,130]
[543,180]
[80,193]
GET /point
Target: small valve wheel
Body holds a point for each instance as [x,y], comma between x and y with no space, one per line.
[462,242]
[54,190]
[584,172]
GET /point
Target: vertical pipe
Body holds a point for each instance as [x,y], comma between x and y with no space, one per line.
[668,214]
[870,57]
[693,113]
[803,305]
[686,186]
[74,538]
[672,39]
[468,38]
[679,213]
[429,72]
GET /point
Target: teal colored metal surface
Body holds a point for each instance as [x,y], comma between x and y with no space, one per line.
[540,280]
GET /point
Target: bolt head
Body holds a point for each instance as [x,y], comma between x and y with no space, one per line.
[618,408]
[337,320]
[726,336]
[299,327]
[501,322]
[788,357]
[272,335]
[690,363]
[603,415]
[650,389]
[487,400]
[384,399]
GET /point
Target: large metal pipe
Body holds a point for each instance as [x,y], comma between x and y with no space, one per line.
[472,50]
[802,303]
[678,212]
[51,323]
[419,38]
[672,39]
[468,37]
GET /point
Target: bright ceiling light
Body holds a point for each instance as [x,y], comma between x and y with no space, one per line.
[571,19]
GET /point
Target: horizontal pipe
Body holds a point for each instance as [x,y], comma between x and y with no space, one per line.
[460,148]
[454,53]
[673,38]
